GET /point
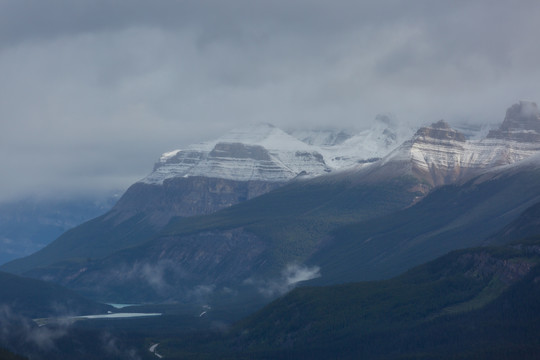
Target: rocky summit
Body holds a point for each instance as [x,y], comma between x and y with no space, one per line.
[521,124]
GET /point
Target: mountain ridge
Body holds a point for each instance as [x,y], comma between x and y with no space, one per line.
[267,153]
[439,155]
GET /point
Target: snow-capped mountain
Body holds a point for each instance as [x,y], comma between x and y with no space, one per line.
[255,153]
[245,163]
[266,153]
[441,155]
[368,145]
[251,161]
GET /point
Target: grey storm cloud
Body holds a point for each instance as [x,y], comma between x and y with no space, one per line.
[92,92]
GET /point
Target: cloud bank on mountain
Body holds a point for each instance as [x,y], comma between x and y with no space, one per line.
[93,91]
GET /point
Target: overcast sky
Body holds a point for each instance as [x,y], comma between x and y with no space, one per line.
[92,92]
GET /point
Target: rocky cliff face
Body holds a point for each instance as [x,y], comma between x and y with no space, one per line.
[435,153]
[185,197]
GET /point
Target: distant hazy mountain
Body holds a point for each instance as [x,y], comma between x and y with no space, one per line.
[29,224]
[38,299]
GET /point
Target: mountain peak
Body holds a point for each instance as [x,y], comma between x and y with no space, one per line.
[258,152]
[524,110]
[441,124]
[262,134]
[439,131]
[521,123]
[386,119]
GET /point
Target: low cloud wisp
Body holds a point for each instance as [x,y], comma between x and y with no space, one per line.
[290,277]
